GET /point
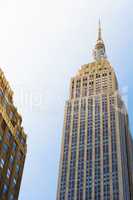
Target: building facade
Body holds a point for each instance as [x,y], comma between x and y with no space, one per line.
[96,160]
[12,144]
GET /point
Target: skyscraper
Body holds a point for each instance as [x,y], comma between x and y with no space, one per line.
[97,149]
[12,144]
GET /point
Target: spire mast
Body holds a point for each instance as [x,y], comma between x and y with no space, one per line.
[99,31]
[99,51]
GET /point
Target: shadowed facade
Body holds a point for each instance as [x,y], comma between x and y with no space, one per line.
[13,145]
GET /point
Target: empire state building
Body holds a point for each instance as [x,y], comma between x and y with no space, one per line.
[96,160]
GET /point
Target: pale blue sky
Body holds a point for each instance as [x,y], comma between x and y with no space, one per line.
[42,45]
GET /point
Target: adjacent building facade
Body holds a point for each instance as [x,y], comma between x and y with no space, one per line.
[12,144]
[97,148]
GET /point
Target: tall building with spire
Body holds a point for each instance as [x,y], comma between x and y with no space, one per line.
[13,145]
[96,160]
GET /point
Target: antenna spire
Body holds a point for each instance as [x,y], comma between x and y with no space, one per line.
[99,31]
[99,51]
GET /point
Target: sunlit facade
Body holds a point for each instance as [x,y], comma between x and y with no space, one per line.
[12,144]
[97,149]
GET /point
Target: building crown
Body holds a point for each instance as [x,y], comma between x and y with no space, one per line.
[99,51]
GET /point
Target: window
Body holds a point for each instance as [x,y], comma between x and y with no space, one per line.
[5,188]
[11,115]
[19,155]
[18,135]
[22,141]
[14,146]
[14,182]
[11,159]
[8,173]
[2,162]
[11,197]
[5,148]
[8,135]
[17,168]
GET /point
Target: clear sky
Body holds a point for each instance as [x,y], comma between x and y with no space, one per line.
[42,45]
